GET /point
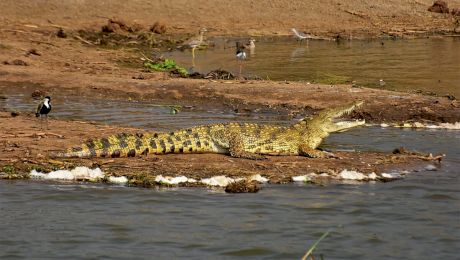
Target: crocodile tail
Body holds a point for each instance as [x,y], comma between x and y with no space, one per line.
[119,145]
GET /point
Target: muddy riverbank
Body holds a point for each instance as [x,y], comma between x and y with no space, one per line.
[51,51]
[328,18]
[25,148]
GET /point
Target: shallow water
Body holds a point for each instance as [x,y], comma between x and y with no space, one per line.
[421,64]
[136,114]
[414,218]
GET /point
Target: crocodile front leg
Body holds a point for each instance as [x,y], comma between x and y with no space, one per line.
[307,151]
[236,149]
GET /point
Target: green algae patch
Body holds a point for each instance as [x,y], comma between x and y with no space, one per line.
[332,79]
[168,65]
[9,172]
[142,180]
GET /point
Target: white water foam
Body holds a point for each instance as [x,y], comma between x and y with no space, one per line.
[118,180]
[352,175]
[221,181]
[79,173]
[448,126]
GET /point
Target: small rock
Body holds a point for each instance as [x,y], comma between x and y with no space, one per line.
[400,150]
[449,96]
[110,28]
[16,62]
[61,33]
[36,94]
[33,52]
[455,11]
[158,28]
[427,110]
[242,187]
[439,6]
[140,76]
[14,114]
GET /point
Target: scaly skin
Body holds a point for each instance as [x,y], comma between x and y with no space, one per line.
[246,140]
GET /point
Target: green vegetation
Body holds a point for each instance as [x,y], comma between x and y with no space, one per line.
[9,172]
[142,180]
[327,78]
[9,169]
[309,253]
[166,65]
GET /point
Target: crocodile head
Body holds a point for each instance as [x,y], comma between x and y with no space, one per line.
[318,127]
[327,119]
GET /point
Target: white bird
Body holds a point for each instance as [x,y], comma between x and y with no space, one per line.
[300,36]
[251,46]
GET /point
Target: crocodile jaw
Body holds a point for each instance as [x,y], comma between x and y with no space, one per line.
[345,125]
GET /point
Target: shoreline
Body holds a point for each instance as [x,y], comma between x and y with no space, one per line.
[83,50]
[26,149]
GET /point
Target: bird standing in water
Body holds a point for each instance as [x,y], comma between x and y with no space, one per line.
[43,109]
[196,42]
[300,36]
[240,56]
[251,46]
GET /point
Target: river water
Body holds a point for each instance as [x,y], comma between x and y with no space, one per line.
[414,218]
[429,65]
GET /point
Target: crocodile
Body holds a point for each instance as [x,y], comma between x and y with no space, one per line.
[243,140]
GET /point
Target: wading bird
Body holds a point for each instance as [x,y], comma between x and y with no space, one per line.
[240,56]
[300,36]
[196,42]
[251,46]
[43,109]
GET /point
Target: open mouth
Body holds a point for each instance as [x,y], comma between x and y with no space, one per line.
[345,125]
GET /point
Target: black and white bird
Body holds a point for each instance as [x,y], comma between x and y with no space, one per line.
[43,109]
[240,55]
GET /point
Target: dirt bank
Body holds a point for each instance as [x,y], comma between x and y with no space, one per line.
[330,17]
[36,56]
[64,49]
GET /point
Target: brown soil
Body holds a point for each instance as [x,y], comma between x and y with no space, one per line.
[221,17]
[73,48]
